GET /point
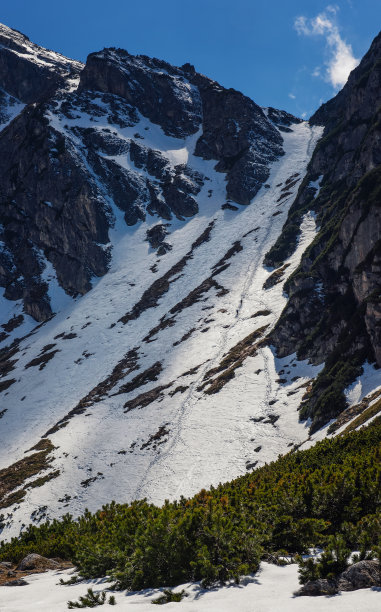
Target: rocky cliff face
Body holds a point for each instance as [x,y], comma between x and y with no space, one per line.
[63,178]
[334,313]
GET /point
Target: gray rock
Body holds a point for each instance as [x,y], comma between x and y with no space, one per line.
[156,235]
[34,561]
[318,587]
[361,575]
[164,248]
[18,582]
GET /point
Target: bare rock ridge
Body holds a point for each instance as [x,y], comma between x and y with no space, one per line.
[60,177]
[334,311]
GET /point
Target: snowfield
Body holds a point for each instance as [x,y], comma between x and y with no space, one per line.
[181,438]
[270,590]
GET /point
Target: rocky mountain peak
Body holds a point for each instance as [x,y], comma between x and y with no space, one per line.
[115,135]
[158,90]
[14,39]
[359,93]
[27,71]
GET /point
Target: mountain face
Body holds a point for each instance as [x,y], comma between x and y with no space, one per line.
[334,312]
[59,171]
[169,299]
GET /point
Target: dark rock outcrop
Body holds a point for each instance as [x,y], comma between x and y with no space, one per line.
[158,90]
[156,237]
[49,209]
[282,119]
[235,130]
[29,72]
[237,133]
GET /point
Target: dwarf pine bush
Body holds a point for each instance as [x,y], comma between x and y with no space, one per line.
[326,496]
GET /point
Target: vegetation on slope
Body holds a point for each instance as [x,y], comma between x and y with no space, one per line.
[296,502]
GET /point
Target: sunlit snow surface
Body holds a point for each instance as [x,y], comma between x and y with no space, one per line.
[270,590]
[369,380]
[211,438]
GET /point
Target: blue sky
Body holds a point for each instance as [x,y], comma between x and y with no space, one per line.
[289,54]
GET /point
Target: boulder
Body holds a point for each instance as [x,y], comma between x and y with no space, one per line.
[361,575]
[164,248]
[18,582]
[322,586]
[36,562]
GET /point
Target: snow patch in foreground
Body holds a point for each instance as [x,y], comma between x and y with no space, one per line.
[269,590]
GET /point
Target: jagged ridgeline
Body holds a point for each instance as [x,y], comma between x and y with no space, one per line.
[333,314]
[283,508]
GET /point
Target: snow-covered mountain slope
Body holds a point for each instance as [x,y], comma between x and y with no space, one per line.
[138,202]
[157,382]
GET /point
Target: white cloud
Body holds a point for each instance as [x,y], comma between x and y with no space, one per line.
[292,96]
[341,60]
